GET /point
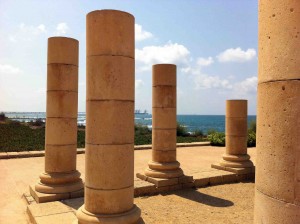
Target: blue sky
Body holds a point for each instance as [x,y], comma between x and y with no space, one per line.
[212,42]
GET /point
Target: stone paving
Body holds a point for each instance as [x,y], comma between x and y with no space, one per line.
[17,174]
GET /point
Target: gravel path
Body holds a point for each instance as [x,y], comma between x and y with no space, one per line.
[223,204]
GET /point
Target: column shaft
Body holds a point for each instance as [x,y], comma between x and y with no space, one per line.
[236,135]
[109,120]
[164,163]
[277,197]
[60,174]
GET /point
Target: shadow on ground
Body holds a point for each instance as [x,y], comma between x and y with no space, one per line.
[196,196]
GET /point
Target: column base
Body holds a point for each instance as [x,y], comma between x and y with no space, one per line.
[239,164]
[130,217]
[57,186]
[164,170]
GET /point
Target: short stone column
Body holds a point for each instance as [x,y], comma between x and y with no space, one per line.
[109,152]
[277,196]
[60,177]
[236,158]
[164,163]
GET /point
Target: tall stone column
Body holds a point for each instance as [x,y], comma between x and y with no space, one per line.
[236,158]
[236,135]
[164,163]
[109,120]
[277,197]
[60,176]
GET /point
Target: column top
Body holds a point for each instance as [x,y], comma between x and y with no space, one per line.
[236,108]
[164,75]
[110,33]
[63,50]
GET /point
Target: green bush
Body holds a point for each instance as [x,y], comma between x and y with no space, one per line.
[181,130]
[38,122]
[211,131]
[251,140]
[252,126]
[2,116]
[198,133]
[217,138]
[140,129]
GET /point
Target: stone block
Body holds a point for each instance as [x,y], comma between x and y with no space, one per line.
[164,118]
[110,122]
[236,108]
[63,50]
[164,75]
[164,156]
[236,126]
[201,182]
[62,77]
[185,179]
[216,180]
[164,96]
[60,158]
[236,145]
[61,131]
[106,74]
[42,197]
[11,155]
[62,104]
[3,155]
[36,153]
[164,139]
[109,201]
[118,28]
[117,159]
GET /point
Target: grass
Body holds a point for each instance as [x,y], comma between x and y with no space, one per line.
[16,136]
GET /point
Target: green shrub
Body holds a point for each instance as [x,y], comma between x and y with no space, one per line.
[251,140]
[198,133]
[140,129]
[217,138]
[38,122]
[181,130]
[211,131]
[2,116]
[252,126]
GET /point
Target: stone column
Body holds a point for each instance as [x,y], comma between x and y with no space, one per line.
[60,176]
[164,163]
[236,135]
[109,120]
[277,197]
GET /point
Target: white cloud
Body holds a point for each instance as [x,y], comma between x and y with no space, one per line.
[203,81]
[139,83]
[236,55]
[61,29]
[9,70]
[27,32]
[168,53]
[205,61]
[249,85]
[141,34]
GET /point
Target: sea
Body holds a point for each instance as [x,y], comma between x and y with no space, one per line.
[191,122]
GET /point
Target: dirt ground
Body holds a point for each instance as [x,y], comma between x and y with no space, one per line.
[223,204]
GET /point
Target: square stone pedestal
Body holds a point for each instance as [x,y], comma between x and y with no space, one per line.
[234,170]
[42,197]
[163,185]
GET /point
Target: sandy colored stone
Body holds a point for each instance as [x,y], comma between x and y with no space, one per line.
[110,122]
[278,141]
[236,145]
[236,108]
[108,201]
[236,126]
[60,158]
[164,75]
[164,156]
[164,96]
[109,166]
[110,32]
[279,39]
[164,118]
[110,77]
[63,50]
[62,77]
[61,131]
[164,139]
[270,210]
[62,104]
